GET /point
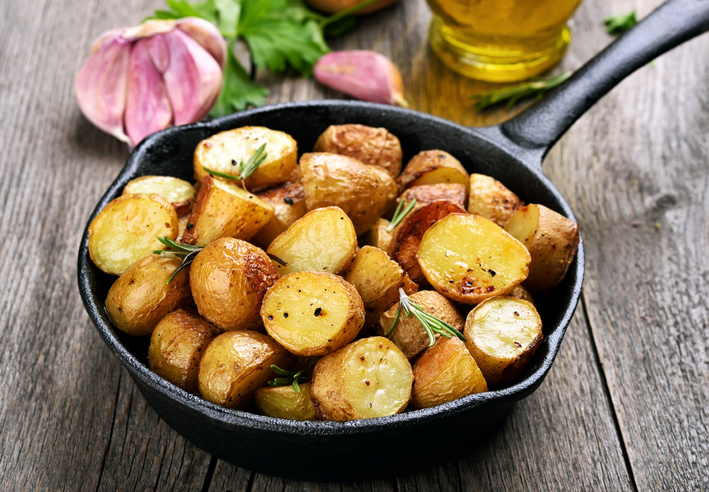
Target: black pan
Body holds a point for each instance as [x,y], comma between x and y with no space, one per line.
[511,152]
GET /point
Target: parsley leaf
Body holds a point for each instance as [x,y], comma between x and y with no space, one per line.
[238,90]
[620,23]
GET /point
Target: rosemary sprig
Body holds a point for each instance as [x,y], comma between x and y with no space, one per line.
[177,250]
[430,323]
[277,259]
[245,169]
[620,23]
[399,214]
[533,87]
[289,377]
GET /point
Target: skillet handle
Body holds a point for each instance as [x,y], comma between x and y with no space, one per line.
[538,128]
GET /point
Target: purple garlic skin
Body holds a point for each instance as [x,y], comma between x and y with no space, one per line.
[362,74]
[143,79]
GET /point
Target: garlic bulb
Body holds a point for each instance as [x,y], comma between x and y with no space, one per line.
[143,79]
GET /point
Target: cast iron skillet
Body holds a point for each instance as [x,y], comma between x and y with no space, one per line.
[511,152]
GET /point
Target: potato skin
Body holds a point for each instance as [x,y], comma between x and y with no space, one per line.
[177,345]
[236,363]
[284,403]
[141,297]
[229,278]
[288,203]
[363,192]
[491,199]
[431,167]
[372,146]
[408,334]
[423,194]
[379,236]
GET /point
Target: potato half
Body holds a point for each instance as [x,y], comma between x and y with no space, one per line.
[229,278]
[445,372]
[377,278]
[288,204]
[408,333]
[178,192]
[224,151]
[236,363]
[432,167]
[468,259]
[363,192]
[368,378]
[312,313]
[323,240]
[225,209]
[378,235]
[373,146]
[491,199]
[502,335]
[177,345]
[127,230]
[552,241]
[423,194]
[141,296]
[284,402]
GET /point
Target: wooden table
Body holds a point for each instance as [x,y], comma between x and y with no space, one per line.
[625,405]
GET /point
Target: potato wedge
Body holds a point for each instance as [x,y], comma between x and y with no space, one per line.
[373,146]
[378,235]
[432,167]
[312,313]
[178,192]
[408,333]
[127,230]
[552,241]
[219,153]
[363,192]
[377,278]
[284,402]
[468,259]
[236,363]
[177,345]
[323,240]
[288,204]
[141,296]
[229,278]
[423,194]
[445,372]
[491,199]
[225,209]
[502,335]
[368,378]
[406,237]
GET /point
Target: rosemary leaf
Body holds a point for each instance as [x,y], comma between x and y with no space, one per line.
[177,250]
[291,378]
[396,320]
[245,170]
[277,259]
[430,323]
[620,23]
[399,215]
[533,87]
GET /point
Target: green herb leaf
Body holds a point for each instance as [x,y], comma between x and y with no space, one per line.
[620,23]
[534,87]
[289,378]
[245,170]
[177,250]
[399,214]
[238,90]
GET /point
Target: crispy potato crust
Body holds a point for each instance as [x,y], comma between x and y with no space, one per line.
[178,192]
[423,194]
[373,146]
[284,402]
[432,167]
[491,199]
[288,203]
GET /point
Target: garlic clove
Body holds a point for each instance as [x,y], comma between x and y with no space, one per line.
[193,78]
[101,85]
[147,104]
[207,35]
[159,53]
[363,74]
[148,29]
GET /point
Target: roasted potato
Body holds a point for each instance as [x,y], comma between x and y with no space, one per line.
[312,313]
[552,241]
[323,240]
[373,146]
[432,167]
[236,363]
[379,235]
[368,378]
[225,151]
[363,192]
[502,335]
[141,296]
[521,293]
[229,278]
[225,209]
[408,333]
[178,192]
[377,278]
[423,194]
[406,238]
[445,372]
[127,230]
[177,345]
[284,402]
[491,199]
[288,204]
[468,259]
